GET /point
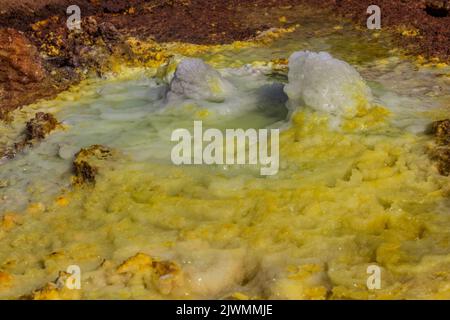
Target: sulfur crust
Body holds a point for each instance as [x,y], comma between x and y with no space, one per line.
[343,200]
[152,54]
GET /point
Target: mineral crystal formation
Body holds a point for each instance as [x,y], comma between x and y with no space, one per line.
[194,79]
[326,84]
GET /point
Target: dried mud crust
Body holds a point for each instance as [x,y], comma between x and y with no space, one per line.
[36,129]
[440,152]
[22,75]
[86,163]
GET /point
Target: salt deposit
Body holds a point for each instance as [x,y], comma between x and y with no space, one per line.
[194,79]
[326,84]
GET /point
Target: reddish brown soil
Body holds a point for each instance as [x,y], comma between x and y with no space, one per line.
[196,21]
[22,75]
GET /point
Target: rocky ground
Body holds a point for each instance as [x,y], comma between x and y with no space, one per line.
[39,57]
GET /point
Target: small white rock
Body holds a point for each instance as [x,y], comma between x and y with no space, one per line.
[194,79]
[326,84]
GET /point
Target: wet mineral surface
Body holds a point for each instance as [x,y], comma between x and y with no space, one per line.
[362,179]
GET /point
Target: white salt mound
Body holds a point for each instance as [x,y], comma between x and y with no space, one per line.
[194,79]
[326,84]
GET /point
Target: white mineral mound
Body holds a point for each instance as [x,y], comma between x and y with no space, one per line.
[326,84]
[194,79]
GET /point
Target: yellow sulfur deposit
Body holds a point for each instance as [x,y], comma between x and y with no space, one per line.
[341,202]
[152,54]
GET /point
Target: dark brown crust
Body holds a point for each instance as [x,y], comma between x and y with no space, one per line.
[36,129]
[440,152]
[195,21]
[85,164]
